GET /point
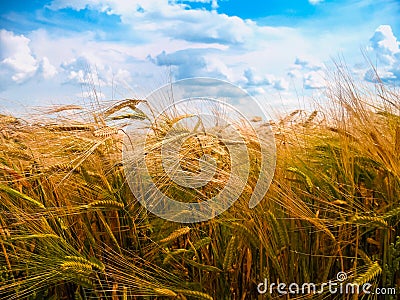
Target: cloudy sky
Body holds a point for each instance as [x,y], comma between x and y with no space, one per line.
[58,51]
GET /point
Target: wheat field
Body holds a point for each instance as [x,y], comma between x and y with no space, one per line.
[70,227]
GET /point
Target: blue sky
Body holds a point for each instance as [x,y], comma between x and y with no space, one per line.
[56,51]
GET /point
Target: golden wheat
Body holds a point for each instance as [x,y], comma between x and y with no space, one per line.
[195,294]
[105,204]
[229,254]
[174,235]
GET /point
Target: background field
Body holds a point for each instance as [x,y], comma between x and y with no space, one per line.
[70,227]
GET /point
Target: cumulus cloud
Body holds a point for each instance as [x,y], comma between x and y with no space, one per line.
[384,43]
[189,39]
[257,82]
[76,70]
[186,63]
[314,80]
[82,70]
[16,56]
[173,19]
[47,69]
[210,27]
[254,79]
[18,62]
[308,63]
[177,23]
[192,63]
[311,72]
[386,47]
[281,84]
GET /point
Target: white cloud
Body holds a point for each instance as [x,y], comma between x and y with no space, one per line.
[315,2]
[386,47]
[385,44]
[311,72]
[16,56]
[83,70]
[308,63]
[172,19]
[246,43]
[214,3]
[385,75]
[168,36]
[281,84]
[259,83]
[314,80]
[47,69]
[215,65]
[187,63]
[19,62]
[197,63]
[254,79]
[76,4]
[295,73]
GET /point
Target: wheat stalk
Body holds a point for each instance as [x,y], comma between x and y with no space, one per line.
[309,183]
[165,292]
[174,235]
[229,254]
[94,263]
[17,194]
[131,103]
[106,132]
[373,270]
[76,266]
[105,204]
[367,220]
